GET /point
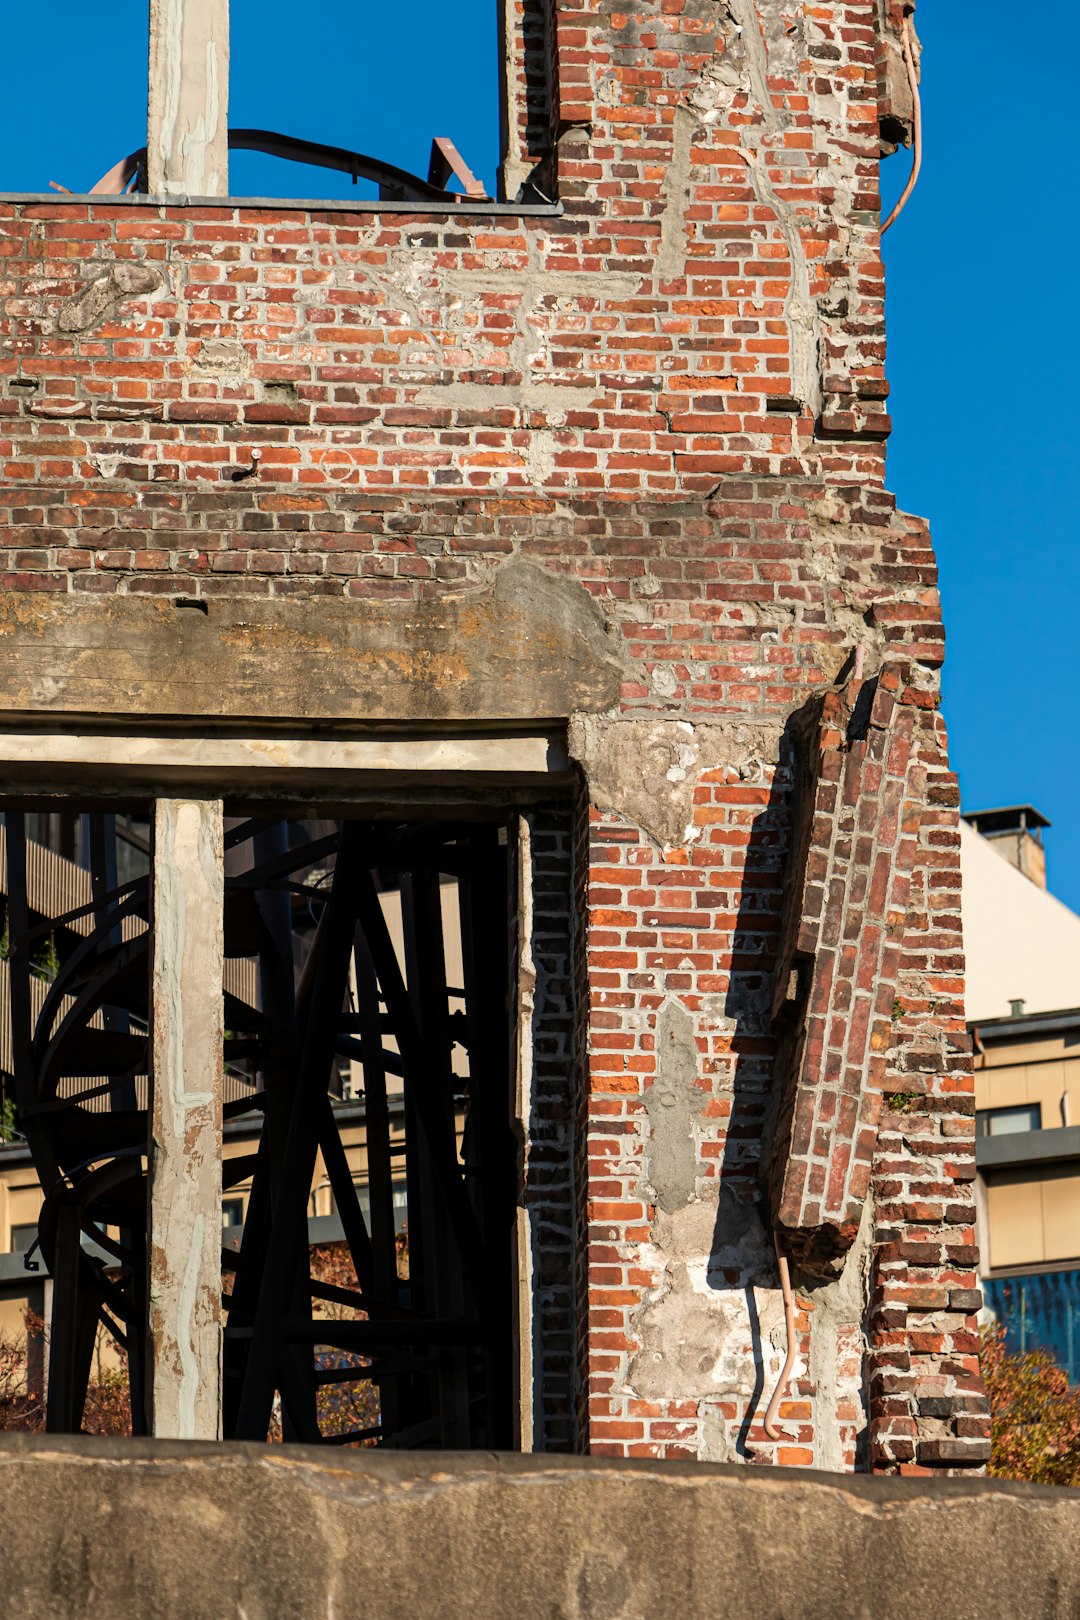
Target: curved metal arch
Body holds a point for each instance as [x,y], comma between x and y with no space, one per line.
[395,184]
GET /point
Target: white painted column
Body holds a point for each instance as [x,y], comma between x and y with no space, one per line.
[184,1374]
[523,1106]
[188,123]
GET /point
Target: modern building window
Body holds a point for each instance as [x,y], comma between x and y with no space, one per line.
[1008,1121]
[23,1237]
[232,1213]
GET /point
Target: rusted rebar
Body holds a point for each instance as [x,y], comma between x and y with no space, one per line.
[917,141]
[789,1361]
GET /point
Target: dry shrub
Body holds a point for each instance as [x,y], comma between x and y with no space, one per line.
[1035,1415]
[342,1408]
[22,1406]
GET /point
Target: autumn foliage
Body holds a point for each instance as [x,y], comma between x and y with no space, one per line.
[22,1407]
[347,1408]
[1035,1415]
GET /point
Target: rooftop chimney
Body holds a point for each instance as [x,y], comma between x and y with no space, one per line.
[1016,833]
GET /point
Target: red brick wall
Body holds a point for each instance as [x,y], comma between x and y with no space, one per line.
[672,392]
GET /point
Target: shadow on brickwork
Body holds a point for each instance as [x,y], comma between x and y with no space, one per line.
[742,1257]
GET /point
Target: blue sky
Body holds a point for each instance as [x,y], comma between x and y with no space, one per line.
[342,72]
[983,360]
[983,331]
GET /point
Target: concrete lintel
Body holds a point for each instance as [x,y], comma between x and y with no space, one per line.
[185,1146]
[188,122]
[527,648]
[290,760]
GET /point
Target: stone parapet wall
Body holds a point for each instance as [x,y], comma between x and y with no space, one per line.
[185,1531]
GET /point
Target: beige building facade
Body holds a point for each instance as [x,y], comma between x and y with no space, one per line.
[1023,962]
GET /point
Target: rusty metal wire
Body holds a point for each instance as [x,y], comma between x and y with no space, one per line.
[917,134]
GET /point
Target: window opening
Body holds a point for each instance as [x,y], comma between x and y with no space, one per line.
[76,976]
[23,1237]
[368,981]
[388,98]
[1008,1121]
[354,108]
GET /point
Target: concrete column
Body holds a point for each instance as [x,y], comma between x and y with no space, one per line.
[184,1374]
[525,1364]
[188,125]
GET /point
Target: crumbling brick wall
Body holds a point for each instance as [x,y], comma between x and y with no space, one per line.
[669,394]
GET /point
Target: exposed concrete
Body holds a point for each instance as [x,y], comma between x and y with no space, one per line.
[709,1329]
[839,1309]
[188,126]
[801,313]
[725,75]
[647,770]
[674,1105]
[112,284]
[895,102]
[531,646]
[58,761]
[185,1157]
[745,13]
[111,1529]
[515,168]
[528,1391]
[671,257]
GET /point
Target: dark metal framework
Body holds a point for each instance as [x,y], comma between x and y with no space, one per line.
[395,184]
[304,900]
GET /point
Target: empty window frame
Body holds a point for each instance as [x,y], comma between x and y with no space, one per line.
[382,951]
[461,107]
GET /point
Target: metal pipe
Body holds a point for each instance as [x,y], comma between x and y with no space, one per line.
[789,1361]
[917,141]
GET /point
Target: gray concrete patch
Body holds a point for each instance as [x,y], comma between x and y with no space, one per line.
[109,288]
[697,1328]
[647,770]
[674,1104]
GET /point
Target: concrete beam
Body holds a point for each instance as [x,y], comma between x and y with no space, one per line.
[185,1146]
[530,647]
[188,123]
[1023,1149]
[291,761]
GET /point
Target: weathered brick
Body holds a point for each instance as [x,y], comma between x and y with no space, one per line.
[433,394]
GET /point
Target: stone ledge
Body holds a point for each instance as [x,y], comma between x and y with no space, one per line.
[114,1528]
